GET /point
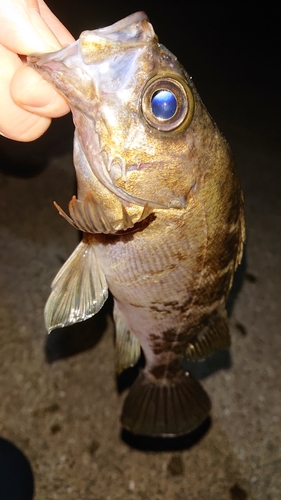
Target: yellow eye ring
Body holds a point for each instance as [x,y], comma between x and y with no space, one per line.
[167,103]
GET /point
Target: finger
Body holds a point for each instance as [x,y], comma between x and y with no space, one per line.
[30,91]
[23,30]
[16,123]
[62,34]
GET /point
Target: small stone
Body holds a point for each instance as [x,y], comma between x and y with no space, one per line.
[94,446]
[237,493]
[241,329]
[55,428]
[175,466]
[251,278]
[132,485]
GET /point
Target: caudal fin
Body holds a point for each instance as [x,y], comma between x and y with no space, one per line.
[165,408]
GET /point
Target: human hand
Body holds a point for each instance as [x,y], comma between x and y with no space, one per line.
[27,101]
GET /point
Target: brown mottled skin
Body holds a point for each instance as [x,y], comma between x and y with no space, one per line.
[168,277]
[171,271]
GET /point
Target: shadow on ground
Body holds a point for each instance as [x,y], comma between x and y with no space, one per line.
[70,340]
[16,477]
[146,443]
[27,159]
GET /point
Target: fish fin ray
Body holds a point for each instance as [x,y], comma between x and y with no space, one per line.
[64,215]
[147,210]
[79,289]
[127,222]
[242,237]
[214,336]
[90,217]
[150,407]
[127,347]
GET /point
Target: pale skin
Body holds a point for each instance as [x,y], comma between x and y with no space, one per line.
[27,102]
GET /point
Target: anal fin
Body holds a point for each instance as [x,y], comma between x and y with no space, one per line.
[165,408]
[79,290]
[127,347]
[215,335]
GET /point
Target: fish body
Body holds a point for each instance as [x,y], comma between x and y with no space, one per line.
[161,209]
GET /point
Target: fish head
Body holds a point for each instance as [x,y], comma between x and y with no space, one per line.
[137,117]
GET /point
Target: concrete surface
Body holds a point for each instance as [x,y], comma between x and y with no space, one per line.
[59,401]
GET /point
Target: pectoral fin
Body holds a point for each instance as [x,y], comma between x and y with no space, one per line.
[79,290]
[127,345]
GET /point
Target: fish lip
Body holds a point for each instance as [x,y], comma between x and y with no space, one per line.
[131,31]
[140,34]
[124,23]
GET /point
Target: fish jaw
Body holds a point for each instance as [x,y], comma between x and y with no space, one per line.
[96,60]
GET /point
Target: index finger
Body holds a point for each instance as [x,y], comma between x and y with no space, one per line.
[29,26]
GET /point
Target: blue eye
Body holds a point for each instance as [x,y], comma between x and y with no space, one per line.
[163,104]
[167,103]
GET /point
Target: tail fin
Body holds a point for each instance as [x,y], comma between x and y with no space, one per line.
[165,408]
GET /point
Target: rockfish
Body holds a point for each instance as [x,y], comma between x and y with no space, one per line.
[161,210]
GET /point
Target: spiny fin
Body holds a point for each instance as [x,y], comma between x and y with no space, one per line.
[215,335]
[147,210]
[165,408]
[127,348]
[89,216]
[242,235]
[79,290]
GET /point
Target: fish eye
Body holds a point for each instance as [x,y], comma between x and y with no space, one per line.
[163,104]
[167,103]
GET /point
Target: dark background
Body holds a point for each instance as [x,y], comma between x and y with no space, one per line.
[231,49]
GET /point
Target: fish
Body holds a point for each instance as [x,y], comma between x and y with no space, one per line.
[161,209]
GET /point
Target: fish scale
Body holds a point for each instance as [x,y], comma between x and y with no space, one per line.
[136,264]
[162,214]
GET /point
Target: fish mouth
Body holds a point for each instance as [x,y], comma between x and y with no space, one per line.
[131,29]
[131,32]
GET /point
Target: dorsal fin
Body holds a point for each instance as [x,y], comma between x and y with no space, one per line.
[79,290]
[215,335]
